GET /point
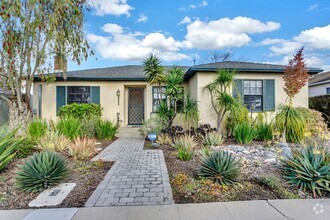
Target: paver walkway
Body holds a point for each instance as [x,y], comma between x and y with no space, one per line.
[138,177]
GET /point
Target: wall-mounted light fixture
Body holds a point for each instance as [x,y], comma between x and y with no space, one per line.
[118,95]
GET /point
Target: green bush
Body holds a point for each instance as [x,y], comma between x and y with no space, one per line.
[244,133]
[80,110]
[264,131]
[88,127]
[70,127]
[321,104]
[221,167]
[238,115]
[25,148]
[8,145]
[37,128]
[105,130]
[43,170]
[185,153]
[308,169]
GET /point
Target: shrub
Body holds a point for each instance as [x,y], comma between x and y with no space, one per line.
[221,167]
[42,170]
[25,148]
[244,133]
[264,131]
[69,127]
[8,145]
[52,140]
[321,104]
[105,130]
[80,110]
[212,139]
[164,139]
[153,125]
[37,128]
[82,148]
[185,153]
[308,169]
[88,127]
[190,113]
[316,126]
[238,115]
[185,146]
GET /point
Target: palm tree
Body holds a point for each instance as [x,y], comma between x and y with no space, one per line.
[155,72]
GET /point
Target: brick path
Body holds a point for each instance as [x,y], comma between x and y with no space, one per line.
[138,177]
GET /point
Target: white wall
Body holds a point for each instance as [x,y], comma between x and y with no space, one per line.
[318,90]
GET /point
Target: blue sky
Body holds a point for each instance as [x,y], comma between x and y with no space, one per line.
[123,32]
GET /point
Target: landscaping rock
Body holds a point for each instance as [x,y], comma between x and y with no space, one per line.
[271,161]
[286,152]
[270,155]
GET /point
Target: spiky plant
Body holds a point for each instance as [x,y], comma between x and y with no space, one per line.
[164,139]
[185,141]
[82,148]
[308,169]
[105,130]
[52,140]
[244,133]
[69,127]
[37,128]
[212,139]
[42,170]
[221,167]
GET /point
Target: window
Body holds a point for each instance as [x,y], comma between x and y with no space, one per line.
[253,94]
[328,91]
[78,94]
[156,97]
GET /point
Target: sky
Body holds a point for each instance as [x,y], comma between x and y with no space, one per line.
[124,32]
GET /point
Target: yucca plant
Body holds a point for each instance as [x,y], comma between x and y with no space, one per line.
[37,128]
[164,139]
[308,169]
[82,148]
[212,139]
[53,140]
[8,145]
[42,170]
[105,130]
[69,127]
[244,133]
[221,167]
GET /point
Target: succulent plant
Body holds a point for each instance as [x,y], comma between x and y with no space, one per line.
[221,167]
[212,139]
[82,148]
[42,170]
[308,169]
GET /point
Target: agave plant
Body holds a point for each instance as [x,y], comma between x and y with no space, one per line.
[212,139]
[308,169]
[164,139]
[42,170]
[221,167]
[53,140]
[82,148]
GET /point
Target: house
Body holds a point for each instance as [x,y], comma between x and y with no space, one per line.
[4,110]
[319,84]
[126,97]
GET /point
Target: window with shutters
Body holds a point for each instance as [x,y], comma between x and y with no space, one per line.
[253,94]
[328,91]
[78,94]
[156,99]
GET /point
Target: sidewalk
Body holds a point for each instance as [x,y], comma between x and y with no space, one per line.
[263,210]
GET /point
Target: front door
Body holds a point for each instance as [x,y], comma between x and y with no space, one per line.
[135,106]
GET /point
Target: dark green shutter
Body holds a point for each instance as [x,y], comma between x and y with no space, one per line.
[95,95]
[238,88]
[60,97]
[269,95]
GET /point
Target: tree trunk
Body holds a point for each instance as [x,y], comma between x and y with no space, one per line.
[17,116]
[219,122]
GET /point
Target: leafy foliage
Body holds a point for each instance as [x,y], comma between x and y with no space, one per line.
[321,104]
[308,169]
[82,148]
[42,170]
[153,125]
[212,139]
[25,148]
[190,113]
[4,131]
[37,128]
[154,70]
[238,114]
[80,111]
[264,131]
[53,140]
[244,133]
[70,127]
[221,167]
[105,130]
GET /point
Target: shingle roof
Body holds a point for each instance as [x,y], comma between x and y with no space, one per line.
[242,67]
[118,73]
[319,78]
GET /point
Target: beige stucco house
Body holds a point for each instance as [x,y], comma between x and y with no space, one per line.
[126,97]
[319,84]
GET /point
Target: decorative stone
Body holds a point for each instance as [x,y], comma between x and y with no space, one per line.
[270,155]
[282,144]
[98,143]
[271,161]
[155,145]
[286,152]
[53,196]
[99,149]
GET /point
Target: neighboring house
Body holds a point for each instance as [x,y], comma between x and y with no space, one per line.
[125,95]
[319,84]
[4,110]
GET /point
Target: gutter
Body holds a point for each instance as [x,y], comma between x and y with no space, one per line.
[319,83]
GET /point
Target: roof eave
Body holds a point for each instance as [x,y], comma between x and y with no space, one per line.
[61,79]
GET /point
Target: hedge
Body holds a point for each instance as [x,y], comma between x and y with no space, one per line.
[80,110]
[321,104]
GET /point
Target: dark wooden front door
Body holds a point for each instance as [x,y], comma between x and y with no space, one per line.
[135,106]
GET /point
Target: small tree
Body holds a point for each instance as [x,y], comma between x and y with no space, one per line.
[155,72]
[221,100]
[292,120]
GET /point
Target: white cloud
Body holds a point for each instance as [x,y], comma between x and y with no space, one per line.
[111,7]
[142,18]
[313,7]
[122,44]
[194,6]
[203,4]
[185,20]
[225,32]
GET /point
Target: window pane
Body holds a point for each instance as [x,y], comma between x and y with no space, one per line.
[78,94]
[259,84]
[253,102]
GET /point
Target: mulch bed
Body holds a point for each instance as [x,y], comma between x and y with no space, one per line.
[86,174]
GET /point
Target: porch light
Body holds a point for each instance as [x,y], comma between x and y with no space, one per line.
[118,95]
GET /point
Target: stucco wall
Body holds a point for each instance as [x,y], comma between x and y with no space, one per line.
[207,113]
[318,90]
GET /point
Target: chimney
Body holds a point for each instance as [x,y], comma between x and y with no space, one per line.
[60,63]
